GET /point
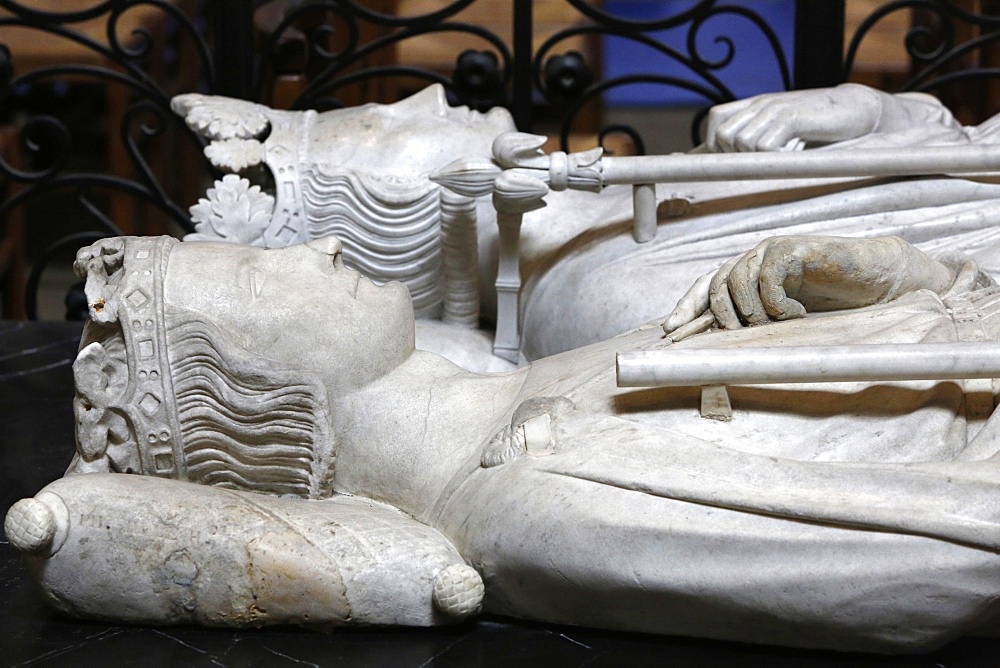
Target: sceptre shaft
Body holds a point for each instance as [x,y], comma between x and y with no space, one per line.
[808,364]
[844,163]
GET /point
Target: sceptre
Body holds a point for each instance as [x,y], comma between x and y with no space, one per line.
[521,175]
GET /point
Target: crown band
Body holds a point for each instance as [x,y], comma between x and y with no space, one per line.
[124,284]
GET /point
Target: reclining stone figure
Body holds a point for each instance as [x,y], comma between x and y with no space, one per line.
[362,174]
[344,477]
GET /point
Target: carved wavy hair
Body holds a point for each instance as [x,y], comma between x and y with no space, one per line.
[246,425]
[391,230]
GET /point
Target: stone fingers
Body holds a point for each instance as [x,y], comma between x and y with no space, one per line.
[724,121]
[744,286]
[780,137]
[691,305]
[720,300]
[751,289]
[765,124]
[747,138]
[775,269]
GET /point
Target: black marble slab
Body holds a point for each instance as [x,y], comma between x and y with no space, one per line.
[36,444]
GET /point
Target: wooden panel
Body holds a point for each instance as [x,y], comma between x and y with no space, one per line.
[883,49]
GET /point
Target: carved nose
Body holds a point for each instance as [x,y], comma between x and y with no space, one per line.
[327,246]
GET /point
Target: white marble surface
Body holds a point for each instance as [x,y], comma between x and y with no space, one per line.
[809,364]
[857,516]
[210,556]
[578,268]
[361,174]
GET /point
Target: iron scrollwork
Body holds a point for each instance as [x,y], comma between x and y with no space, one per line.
[573,89]
[335,42]
[334,47]
[35,163]
[934,44]
[334,55]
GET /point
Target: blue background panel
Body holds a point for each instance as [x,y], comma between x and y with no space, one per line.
[754,68]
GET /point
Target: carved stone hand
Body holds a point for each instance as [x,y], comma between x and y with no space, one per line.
[786,277]
[788,121]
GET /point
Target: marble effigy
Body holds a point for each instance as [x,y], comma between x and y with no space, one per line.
[294,459]
[702,225]
[581,260]
[360,174]
[521,175]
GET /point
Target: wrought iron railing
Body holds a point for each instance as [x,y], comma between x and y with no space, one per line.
[953,49]
[338,52]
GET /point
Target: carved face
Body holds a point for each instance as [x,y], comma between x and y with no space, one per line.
[412,137]
[298,306]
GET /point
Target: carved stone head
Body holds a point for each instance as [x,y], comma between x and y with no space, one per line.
[390,148]
[358,173]
[214,362]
